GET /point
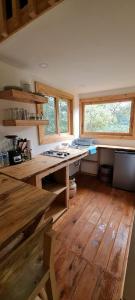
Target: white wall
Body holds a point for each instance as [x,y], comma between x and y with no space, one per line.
[76,116]
[10,75]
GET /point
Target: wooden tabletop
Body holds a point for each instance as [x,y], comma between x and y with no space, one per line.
[20,203]
[40,163]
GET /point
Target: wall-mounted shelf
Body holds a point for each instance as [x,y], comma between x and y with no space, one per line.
[25,122]
[21,96]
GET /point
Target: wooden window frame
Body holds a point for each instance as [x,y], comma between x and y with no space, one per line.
[109,99]
[57,95]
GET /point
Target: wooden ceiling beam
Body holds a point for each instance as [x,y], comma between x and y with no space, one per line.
[32,9]
[52,2]
[3,25]
[15,12]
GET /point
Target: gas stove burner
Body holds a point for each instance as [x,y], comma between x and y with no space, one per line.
[54,153]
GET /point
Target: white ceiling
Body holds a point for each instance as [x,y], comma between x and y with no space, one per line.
[88,45]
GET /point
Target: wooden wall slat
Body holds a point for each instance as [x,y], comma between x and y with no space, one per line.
[15,12]
[3,27]
[32,9]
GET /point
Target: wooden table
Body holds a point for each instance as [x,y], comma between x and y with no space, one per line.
[20,205]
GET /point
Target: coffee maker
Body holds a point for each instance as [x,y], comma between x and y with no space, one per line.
[14,154]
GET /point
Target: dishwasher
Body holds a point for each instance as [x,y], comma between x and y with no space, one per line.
[124,170]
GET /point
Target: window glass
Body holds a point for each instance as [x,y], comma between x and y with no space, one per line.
[49,113]
[107,117]
[63,116]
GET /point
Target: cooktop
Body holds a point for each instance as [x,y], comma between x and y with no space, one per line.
[54,153]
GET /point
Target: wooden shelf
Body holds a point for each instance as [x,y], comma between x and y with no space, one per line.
[21,96]
[55,211]
[25,122]
[55,188]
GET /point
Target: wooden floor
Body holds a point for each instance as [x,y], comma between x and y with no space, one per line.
[92,242]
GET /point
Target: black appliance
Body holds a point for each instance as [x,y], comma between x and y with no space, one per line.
[14,154]
[124,170]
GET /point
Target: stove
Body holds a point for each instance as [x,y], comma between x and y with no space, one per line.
[54,153]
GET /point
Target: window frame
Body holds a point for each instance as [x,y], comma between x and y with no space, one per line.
[57,95]
[103,100]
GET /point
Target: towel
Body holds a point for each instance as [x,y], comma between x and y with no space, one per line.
[92,150]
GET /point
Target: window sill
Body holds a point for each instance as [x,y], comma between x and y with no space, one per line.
[108,136]
[46,139]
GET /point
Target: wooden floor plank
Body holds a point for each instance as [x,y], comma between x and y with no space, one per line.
[87,283]
[106,245]
[82,239]
[115,264]
[69,274]
[92,242]
[70,219]
[106,287]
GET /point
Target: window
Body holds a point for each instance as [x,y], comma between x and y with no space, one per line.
[107,117]
[58,110]
[110,117]
[49,113]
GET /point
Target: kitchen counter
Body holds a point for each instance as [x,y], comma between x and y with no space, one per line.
[36,170]
[20,204]
[42,163]
[115,147]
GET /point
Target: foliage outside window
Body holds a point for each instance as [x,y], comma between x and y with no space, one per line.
[107,117]
[56,111]
[63,116]
[49,113]
[110,117]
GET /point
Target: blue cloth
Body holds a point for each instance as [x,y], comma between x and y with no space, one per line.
[92,150]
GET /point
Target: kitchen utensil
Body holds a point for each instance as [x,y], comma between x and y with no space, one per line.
[15,156]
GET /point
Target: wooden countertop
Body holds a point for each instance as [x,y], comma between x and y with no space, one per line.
[41,163]
[115,147]
[20,203]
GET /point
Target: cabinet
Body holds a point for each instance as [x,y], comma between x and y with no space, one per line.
[57,182]
[90,164]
